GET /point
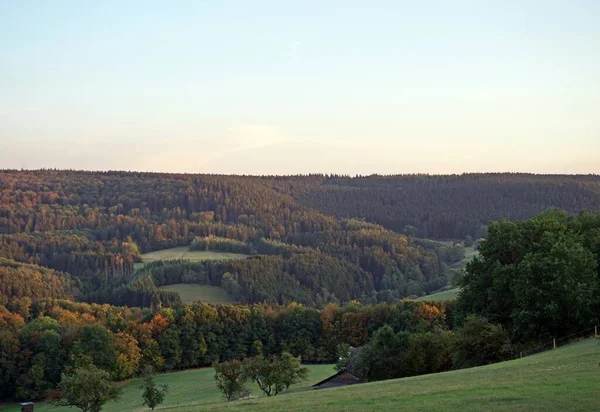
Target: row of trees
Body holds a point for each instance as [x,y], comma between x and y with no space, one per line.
[393,354]
[42,340]
[272,375]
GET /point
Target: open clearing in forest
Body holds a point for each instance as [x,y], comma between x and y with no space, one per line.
[449,294]
[192,387]
[184,252]
[191,293]
[563,379]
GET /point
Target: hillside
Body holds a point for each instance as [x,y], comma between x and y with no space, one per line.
[562,379]
[446,206]
[21,280]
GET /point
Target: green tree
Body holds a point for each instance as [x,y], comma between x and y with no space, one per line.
[31,384]
[290,369]
[380,358]
[479,342]
[231,377]
[87,388]
[266,373]
[97,343]
[9,353]
[151,395]
[537,278]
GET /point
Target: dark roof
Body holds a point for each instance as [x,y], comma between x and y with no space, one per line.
[338,373]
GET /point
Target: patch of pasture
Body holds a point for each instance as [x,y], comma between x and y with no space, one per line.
[184,252]
[191,293]
[449,294]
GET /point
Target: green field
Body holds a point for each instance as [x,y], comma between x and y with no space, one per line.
[184,252]
[191,293]
[193,387]
[445,295]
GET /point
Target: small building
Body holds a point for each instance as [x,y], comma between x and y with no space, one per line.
[342,378]
[27,407]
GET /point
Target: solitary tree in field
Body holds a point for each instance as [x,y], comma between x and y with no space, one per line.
[231,378]
[152,396]
[291,370]
[275,373]
[87,388]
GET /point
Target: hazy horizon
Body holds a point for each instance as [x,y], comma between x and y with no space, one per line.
[281,89]
[350,175]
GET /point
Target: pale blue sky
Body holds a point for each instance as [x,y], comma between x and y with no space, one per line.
[297,87]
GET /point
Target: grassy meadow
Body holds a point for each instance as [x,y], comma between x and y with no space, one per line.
[191,293]
[184,252]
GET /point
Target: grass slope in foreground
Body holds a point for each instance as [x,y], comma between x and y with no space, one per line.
[192,387]
[191,293]
[564,379]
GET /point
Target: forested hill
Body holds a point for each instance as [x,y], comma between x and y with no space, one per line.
[92,227]
[445,206]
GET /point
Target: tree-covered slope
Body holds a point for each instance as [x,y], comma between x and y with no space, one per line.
[20,280]
[446,206]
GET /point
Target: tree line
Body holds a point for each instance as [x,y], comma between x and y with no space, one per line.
[43,339]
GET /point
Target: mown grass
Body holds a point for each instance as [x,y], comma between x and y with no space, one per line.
[192,387]
[191,293]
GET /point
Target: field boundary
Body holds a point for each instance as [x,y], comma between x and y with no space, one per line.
[591,332]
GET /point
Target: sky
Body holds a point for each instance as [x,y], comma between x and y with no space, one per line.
[282,87]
